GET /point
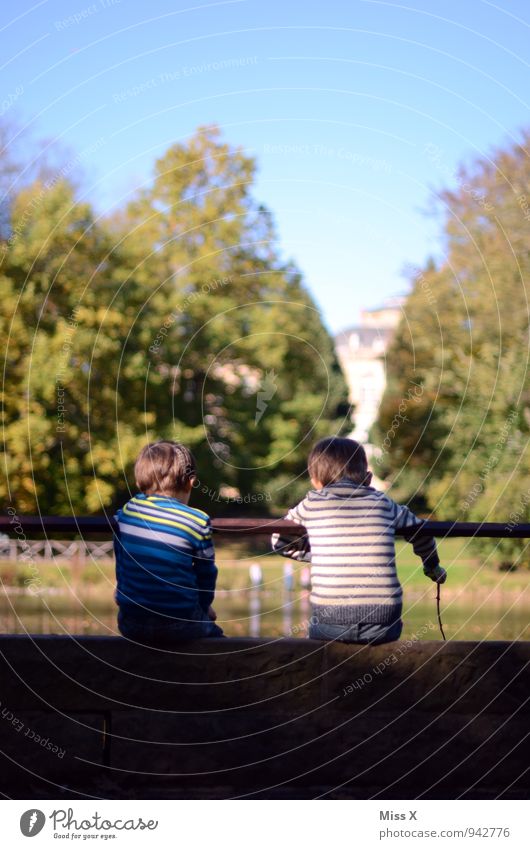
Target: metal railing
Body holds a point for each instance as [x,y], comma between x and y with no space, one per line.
[14,524]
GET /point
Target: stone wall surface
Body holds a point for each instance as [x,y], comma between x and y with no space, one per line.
[290,718]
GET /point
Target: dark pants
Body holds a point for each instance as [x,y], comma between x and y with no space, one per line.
[358,633]
[156,629]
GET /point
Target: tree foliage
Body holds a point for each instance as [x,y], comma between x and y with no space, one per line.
[462,447]
[176,318]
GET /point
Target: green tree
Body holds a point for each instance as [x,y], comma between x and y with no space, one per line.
[463,450]
[177,318]
[63,446]
[235,324]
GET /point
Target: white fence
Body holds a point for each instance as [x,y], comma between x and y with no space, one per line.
[77,551]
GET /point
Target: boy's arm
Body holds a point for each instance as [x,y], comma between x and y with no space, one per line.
[424,547]
[205,568]
[297,548]
[116,542]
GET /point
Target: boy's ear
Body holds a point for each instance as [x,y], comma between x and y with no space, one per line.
[191,483]
[368,478]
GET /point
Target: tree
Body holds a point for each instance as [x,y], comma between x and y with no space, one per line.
[175,319]
[236,324]
[463,450]
[63,448]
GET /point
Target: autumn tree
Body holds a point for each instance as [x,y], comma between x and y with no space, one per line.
[177,318]
[463,450]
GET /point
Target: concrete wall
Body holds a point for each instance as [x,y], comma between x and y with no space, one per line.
[93,716]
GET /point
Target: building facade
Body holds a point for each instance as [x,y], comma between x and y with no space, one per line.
[361,351]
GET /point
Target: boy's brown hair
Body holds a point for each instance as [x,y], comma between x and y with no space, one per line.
[336,457]
[164,467]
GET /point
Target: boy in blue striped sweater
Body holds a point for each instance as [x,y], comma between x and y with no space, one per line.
[165,567]
[356,595]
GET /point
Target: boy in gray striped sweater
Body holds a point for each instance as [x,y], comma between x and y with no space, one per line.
[355,592]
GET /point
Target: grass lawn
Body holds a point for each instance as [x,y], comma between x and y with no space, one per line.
[465,570]
[478,600]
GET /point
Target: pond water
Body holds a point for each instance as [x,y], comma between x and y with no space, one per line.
[268,613]
[260,594]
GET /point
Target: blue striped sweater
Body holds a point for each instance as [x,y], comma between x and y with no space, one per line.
[164,557]
[351,531]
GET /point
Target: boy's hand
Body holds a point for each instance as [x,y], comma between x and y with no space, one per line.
[296,549]
[212,614]
[439,575]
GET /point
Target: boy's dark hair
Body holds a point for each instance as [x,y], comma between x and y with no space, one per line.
[336,457]
[164,467]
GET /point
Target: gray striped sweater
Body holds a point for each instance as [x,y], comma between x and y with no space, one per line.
[351,531]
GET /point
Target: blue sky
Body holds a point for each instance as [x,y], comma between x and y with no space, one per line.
[338,101]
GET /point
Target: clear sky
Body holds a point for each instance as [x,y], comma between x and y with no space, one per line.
[338,101]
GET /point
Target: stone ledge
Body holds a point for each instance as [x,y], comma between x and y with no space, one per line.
[250,716]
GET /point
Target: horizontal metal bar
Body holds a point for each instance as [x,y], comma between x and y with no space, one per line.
[248,527]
